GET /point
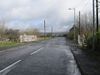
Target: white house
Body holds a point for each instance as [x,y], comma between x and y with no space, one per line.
[28,38]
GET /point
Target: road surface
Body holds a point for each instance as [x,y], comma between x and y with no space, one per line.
[52,57]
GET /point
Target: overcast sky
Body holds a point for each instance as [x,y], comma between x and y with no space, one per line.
[20,14]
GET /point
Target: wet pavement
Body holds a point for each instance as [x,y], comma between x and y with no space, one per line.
[52,57]
[86,64]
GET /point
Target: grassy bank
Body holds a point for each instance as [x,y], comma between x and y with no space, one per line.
[8,44]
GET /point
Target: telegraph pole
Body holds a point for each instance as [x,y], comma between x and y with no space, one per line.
[51,31]
[79,23]
[97,24]
[97,18]
[79,31]
[44,29]
[94,25]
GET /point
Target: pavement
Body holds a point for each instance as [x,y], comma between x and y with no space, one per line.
[52,57]
[86,64]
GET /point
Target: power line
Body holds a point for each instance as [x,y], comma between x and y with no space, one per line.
[84,3]
[80,3]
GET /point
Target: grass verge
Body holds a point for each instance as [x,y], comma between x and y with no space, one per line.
[6,45]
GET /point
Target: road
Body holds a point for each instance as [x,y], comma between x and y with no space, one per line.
[52,57]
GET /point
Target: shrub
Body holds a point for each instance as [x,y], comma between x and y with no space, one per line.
[71,35]
[96,41]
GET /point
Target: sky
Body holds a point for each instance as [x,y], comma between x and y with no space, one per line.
[21,14]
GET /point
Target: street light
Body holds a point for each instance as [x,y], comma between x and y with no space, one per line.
[74,19]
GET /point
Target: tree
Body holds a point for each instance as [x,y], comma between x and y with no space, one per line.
[2,28]
[32,31]
[12,35]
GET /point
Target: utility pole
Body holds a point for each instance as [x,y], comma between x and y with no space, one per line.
[97,18]
[44,29]
[97,24]
[79,23]
[79,31]
[51,31]
[94,25]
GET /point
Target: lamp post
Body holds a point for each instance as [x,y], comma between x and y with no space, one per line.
[74,19]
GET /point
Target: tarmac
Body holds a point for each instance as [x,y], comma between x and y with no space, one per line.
[87,65]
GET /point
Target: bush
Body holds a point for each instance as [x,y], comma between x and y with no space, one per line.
[96,41]
[71,35]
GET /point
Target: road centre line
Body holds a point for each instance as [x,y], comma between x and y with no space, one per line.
[36,51]
[9,68]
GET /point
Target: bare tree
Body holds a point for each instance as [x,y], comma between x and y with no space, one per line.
[31,31]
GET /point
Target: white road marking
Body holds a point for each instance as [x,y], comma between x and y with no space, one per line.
[9,68]
[36,51]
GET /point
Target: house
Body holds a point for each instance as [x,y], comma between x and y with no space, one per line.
[73,29]
[28,38]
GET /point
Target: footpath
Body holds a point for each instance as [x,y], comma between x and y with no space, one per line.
[87,64]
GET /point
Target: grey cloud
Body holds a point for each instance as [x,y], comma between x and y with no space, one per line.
[53,11]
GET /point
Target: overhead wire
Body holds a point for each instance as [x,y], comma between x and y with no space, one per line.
[82,4]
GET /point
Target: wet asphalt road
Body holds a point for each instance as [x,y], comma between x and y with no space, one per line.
[52,57]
